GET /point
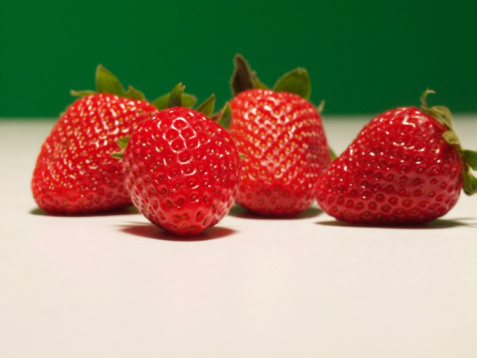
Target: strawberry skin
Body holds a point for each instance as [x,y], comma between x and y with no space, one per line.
[74,172]
[398,170]
[182,170]
[285,150]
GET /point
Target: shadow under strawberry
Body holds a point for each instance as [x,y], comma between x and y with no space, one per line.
[151,231]
[435,224]
[243,213]
[130,210]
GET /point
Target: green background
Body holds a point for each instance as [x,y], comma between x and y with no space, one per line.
[363,56]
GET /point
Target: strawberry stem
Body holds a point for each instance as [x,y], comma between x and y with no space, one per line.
[441,113]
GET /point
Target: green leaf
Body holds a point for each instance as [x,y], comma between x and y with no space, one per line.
[242,78]
[257,83]
[188,100]
[296,81]
[133,93]
[123,142]
[106,82]
[175,97]
[82,93]
[225,119]
[443,115]
[470,158]
[207,107]
[451,138]
[161,102]
[321,106]
[332,154]
[118,155]
[470,184]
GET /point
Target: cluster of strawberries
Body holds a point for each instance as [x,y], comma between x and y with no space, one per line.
[266,150]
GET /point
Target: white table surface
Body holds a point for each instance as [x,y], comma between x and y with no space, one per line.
[116,286]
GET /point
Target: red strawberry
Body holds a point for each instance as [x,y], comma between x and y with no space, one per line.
[406,166]
[75,173]
[182,170]
[281,136]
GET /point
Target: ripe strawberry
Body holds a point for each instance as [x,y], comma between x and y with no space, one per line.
[406,166]
[281,136]
[74,172]
[182,170]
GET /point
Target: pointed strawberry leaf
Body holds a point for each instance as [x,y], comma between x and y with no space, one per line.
[296,81]
[257,83]
[175,97]
[470,158]
[161,102]
[207,107]
[473,181]
[242,77]
[188,100]
[443,115]
[106,82]
[118,155]
[133,93]
[122,144]
[470,184]
[321,106]
[225,119]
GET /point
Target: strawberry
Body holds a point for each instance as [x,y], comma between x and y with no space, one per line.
[406,166]
[74,172]
[182,168]
[281,136]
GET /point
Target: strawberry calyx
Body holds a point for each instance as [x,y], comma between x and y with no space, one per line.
[225,117]
[107,82]
[162,102]
[244,78]
[468,157]
[207,107]
[296,81]
[176,98]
